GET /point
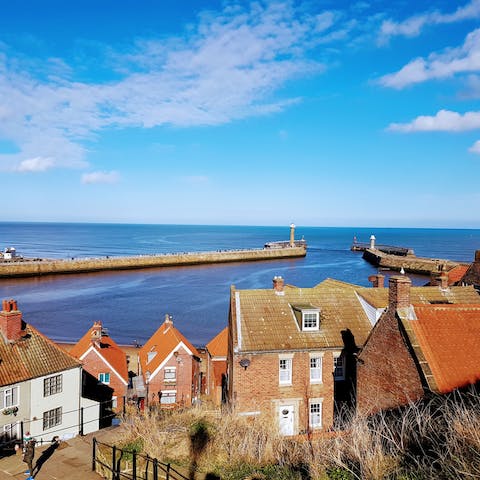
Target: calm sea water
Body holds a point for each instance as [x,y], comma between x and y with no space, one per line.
[133,304]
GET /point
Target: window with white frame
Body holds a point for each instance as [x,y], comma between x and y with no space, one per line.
[104,378]
[316,369]
[9,397]
[285,371]
[338,367]
[170,375]
[310,320]
[10,431]
[315,419]
[52,418]
[168,397]
[52,385]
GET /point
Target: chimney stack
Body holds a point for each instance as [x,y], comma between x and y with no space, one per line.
[378,280]
[278,284]
[399,292]
[443,278]
[168,319]
[11,321]
[96,332]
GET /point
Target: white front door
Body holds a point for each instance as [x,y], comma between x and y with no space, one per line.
[286,419]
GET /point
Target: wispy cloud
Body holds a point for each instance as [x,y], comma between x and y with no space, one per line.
[100,177]
[475,148]
[464,59]
[37,164]
[229,67]
[412,26]
[443,121]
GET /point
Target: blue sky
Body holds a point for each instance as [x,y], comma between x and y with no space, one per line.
[325,113]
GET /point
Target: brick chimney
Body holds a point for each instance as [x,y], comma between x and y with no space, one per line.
[399,292]
[443,278]
[11,321]
[96,333]
[278,284]
[378,280]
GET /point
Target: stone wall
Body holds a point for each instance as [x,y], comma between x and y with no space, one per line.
[49,267]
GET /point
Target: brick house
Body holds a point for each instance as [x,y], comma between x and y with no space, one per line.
[291,352]
[216,367]
[104,360]
[39,384]
[170,367]
[421,343]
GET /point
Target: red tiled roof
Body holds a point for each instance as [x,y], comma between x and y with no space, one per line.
[107,348]
[32,356]
[457,273]
[163,342]
[449,337]
[218,346]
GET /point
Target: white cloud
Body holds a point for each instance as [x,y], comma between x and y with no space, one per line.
[464,59]
[229,67]
[412,26]
[37,164]
[100,177]
[475,148]
[443,121]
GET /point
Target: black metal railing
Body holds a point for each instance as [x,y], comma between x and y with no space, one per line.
[116,463]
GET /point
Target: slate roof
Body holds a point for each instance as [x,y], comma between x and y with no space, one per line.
[267,321]
[163,342]
[32,356]
[218,346]
[446,341]
[107,348]
[378,297]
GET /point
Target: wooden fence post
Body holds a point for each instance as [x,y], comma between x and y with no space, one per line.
[94,452]
[134,466]
[168,472]
[114,455]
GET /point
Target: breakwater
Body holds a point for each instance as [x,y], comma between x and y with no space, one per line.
[410,263]
[32,268]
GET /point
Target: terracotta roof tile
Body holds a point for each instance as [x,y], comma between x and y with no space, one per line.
[218,346]
[457,273]
[449,337]
[268,322]
[163,342]
[32,356]
[378,297]
[107,348]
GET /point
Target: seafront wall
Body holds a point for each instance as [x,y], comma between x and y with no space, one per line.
[83,265]
[410,263]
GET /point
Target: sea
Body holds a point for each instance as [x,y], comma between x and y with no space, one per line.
[132,304]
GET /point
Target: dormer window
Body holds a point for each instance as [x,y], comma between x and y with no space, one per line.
[307,317]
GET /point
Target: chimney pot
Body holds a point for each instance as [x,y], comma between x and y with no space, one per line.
[278,284]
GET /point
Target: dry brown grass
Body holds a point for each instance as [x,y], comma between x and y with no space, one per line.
[437,439]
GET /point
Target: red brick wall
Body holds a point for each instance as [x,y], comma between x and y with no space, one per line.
[94,365]
[257,387]
[386,373]
[187,376]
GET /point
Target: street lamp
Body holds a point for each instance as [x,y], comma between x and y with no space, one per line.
[147,381]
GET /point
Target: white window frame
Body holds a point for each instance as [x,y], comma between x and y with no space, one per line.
[172,378]
[52,418]
[285,369]
[11,429]
[315,417]
[169,397]
[316,319]
[52,385]
[318,369]
[337,373]
[102,377]
[10,397]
